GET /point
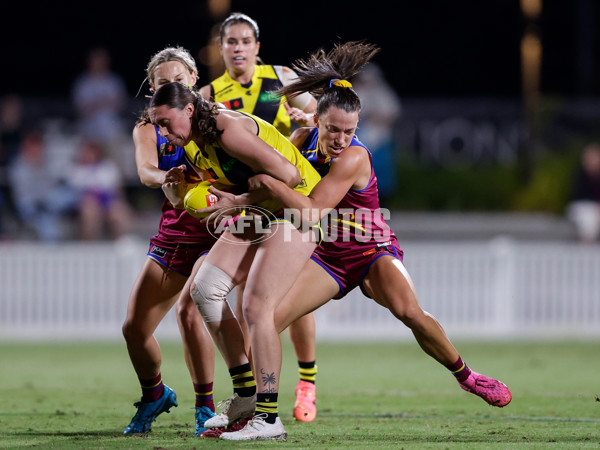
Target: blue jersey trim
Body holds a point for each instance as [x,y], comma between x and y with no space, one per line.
[331,274]
[169,156]
[379,255]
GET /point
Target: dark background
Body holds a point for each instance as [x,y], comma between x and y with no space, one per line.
[429,47]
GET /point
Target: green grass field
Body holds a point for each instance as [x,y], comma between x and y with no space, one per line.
[80,395]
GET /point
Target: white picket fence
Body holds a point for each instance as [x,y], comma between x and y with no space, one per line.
[486,289]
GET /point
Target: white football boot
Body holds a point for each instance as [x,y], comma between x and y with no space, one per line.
[258,430]
[234,408]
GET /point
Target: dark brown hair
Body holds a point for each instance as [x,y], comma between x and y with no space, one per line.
[177,95]
[321,70]
[236,18]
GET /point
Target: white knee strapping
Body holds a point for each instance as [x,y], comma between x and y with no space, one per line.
[209,290]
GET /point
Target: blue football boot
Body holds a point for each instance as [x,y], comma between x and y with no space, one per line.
[203,413]
[147,412]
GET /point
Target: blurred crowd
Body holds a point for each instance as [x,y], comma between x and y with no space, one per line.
[75,178]
[65,178]
[583,209]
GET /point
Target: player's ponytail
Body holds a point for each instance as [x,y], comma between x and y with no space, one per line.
[326,75]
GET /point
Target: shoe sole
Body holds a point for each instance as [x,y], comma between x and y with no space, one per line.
[304,419]
[502,405]
[301,415]
[280,437]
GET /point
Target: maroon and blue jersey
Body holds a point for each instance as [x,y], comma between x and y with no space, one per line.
[310,150]
[355,232]
[177,224]
[178,231]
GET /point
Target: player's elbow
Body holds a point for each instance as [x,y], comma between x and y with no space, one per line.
[147,180]
[293,177]
[149,175]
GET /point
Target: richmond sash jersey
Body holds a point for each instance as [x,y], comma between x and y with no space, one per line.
[257,97]
[230,171]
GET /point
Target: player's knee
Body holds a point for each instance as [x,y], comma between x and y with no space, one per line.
[252,309]
[209,291]
[187,314]
[130,331]
[125,329]
[409,313]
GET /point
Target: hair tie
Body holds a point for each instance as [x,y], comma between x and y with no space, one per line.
[340,83]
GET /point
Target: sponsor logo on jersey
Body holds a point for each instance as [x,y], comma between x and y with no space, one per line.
[158,251]
[213,174]
[166,149]
[268,97]
[235,103]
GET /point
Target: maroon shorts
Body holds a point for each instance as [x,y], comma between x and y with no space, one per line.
[178,257]
[349,268]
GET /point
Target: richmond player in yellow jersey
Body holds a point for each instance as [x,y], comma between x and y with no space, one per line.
[250,87]
[237,146]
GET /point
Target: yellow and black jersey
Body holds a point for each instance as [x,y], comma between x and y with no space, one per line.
[257,97]
[230,171]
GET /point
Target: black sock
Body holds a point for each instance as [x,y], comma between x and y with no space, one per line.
[266,403]
[244,383]
[308,371]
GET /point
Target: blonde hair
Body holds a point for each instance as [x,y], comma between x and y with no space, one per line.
[170,54]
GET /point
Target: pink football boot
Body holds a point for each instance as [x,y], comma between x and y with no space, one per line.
[494,392]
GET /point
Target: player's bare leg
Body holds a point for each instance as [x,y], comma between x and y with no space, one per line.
[389,284]
[224,268]
[271,275]
[152,296]
[199,353]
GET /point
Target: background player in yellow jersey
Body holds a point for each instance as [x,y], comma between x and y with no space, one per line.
[250,87]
